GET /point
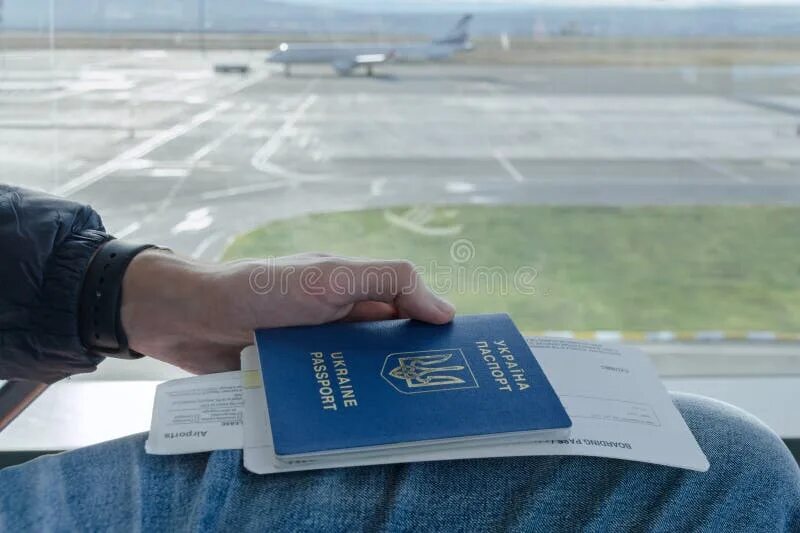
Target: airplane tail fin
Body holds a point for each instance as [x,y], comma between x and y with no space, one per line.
[459,34]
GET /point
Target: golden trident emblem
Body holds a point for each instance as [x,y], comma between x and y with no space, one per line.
[421,371]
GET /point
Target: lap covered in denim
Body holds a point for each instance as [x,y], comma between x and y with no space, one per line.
[753,485]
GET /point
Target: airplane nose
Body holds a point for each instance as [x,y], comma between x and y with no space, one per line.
[277,53]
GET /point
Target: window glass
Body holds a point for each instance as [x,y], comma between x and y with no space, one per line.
[623,171]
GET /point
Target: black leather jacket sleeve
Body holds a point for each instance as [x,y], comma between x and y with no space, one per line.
[46,245]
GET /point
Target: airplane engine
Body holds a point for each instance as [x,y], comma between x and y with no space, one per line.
[343,68]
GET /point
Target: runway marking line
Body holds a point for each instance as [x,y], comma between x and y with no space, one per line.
[414,220]
[209,147]
[244,189]
[128,230]
[719,169]
[138,151]
[507,166]
[205,244]
[194,220]
[263,154]
[376,186]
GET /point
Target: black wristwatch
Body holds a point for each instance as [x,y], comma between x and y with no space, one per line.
[100,327]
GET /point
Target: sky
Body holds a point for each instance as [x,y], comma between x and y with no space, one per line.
[479,5]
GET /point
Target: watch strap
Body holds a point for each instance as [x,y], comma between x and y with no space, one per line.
[101,328]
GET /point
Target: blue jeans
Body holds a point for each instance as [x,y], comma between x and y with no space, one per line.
[753,485]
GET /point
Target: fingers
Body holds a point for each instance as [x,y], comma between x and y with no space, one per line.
[363,311]
[398,283]
[424,305]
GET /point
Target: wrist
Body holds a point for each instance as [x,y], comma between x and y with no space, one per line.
[159,302]
[100,317]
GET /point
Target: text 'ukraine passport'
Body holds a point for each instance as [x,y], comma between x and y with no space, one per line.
[377,386]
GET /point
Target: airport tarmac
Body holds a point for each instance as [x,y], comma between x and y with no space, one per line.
[173,154]
[170,152]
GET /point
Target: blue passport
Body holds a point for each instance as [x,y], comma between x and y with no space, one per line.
[346,387]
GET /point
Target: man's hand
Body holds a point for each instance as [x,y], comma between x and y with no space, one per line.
[199,317]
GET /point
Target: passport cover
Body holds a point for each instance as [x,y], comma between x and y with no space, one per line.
[349,385]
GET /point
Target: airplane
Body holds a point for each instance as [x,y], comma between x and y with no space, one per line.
[344,57]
